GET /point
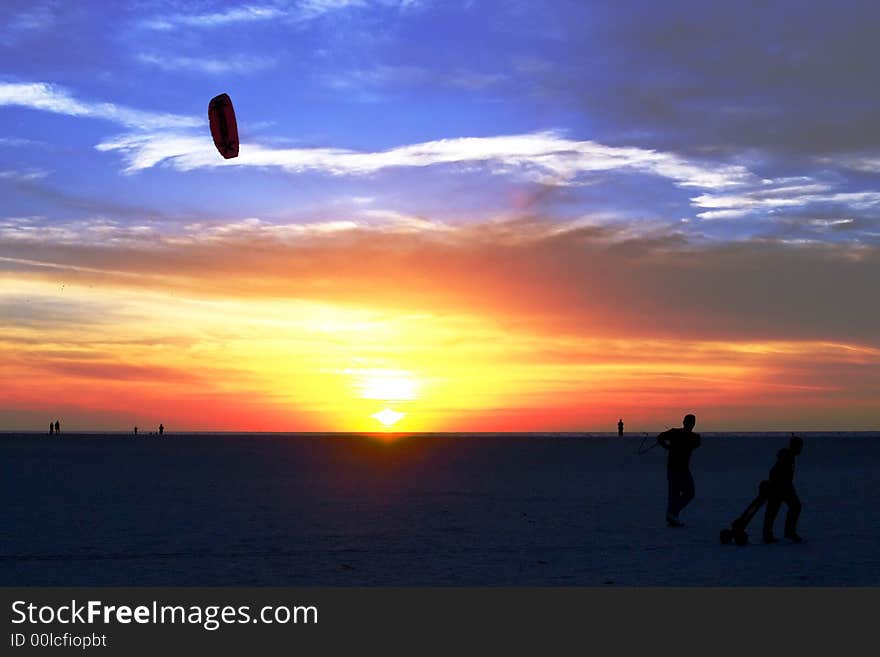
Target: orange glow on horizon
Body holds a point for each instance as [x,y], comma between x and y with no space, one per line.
[120,357]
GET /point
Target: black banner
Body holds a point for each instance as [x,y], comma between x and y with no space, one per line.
[236,621]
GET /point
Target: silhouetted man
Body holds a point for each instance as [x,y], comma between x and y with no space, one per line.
[620,427]
[781,489]
[135,431]
[679,443]
[57,426]
[51,428]
[161,429]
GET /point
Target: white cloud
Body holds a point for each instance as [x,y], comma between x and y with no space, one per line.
[777,194]
[403,223]
[81,232]
[20,141]
[864,163]
[831,223]
[244,14]
[543,156]
[724,214]
[101,231]
[297,12]
[310,9]
[148,150]
[211,66]
[29,174]
[49,98]
[254,228]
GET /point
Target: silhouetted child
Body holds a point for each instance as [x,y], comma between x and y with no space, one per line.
[781,489]
[679,442]
[773,492]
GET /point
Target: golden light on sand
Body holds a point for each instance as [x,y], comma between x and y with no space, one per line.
[388,417]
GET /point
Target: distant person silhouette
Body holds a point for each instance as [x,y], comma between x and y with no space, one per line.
[679,442]
[161,429]
[57,426]
[781,489]
[620,427]
[51,428]
[135,431]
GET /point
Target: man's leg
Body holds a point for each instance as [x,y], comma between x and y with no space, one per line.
[794,511]
[674,504]
[686,490]
[773,503]
[673,495]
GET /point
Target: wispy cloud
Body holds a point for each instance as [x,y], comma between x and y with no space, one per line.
[50,98]
[163,235]
[310,9]
[387,76]
[243,14]
[213,66]
[22,175]
[863,163]
[544,156]
[774,195]
[302,11]
[376,76]
[37,17]
[80,232]
[20,141]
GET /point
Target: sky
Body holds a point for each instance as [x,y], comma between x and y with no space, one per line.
[445,216]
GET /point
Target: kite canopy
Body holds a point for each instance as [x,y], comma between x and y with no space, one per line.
[224,128]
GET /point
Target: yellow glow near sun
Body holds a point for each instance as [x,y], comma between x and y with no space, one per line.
[388,417]
[387,385]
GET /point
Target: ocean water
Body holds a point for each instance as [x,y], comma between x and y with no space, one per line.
[442,509]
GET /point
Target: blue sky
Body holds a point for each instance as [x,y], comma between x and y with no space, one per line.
[717,122]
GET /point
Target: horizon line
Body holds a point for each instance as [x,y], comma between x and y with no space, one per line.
[401,434]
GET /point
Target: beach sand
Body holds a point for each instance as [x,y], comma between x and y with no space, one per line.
[425,510]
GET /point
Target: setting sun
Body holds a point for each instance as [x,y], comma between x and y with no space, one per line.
[388,417]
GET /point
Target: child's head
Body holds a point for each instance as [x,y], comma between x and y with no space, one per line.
[796,444]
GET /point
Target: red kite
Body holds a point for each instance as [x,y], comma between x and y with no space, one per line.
[224,128]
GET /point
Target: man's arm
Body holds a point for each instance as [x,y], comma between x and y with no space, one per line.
[663,439]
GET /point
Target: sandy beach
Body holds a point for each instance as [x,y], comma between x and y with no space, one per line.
[272,509]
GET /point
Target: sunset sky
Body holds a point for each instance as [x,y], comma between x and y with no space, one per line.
[445,216]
